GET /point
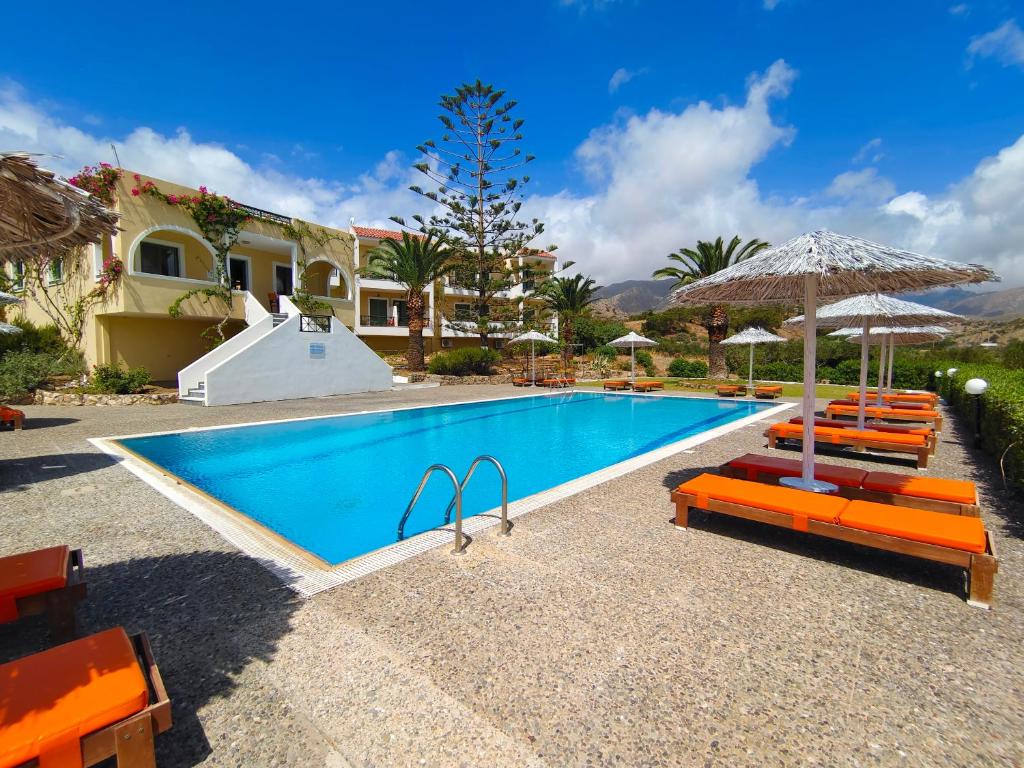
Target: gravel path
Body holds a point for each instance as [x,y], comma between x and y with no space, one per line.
[596,634]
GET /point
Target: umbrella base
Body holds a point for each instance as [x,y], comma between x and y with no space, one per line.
[814,486]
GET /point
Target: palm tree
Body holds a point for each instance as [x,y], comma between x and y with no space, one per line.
[569,297]
[707,259]
[416,262]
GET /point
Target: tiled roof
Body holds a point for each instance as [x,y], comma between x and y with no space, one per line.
[379,234]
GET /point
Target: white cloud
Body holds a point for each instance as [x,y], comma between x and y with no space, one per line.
[864,185]
[371,198]
[769,5]
[960,9]
[1005,43]
[621,76]
[870,152]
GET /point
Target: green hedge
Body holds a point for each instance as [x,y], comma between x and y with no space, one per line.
[112,379]
[681,368]
[469,361]
[1002,412]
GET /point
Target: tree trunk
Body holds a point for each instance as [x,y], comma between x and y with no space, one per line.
[566,343]
[414,357]
[718,327]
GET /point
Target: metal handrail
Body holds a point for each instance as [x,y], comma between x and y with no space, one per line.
[504,491]
[457,499]
[458,504]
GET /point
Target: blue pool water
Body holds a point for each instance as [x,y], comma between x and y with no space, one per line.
[337,486]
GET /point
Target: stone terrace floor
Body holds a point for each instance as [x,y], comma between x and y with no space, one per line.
[596,634]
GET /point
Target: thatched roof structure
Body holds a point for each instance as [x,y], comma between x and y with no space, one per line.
[633,339]
[39,210]
[900,335]
[8,298]
[876,308]
[753,336]
[843,265]
[532,336]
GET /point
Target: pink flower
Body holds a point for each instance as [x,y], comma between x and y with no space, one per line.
[135,192]
[203,190]
[172,199]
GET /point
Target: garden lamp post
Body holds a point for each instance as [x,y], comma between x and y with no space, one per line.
[976,388]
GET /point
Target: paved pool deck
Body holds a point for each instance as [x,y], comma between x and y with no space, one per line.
[597,634]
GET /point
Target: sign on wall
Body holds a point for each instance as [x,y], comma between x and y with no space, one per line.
[317,351]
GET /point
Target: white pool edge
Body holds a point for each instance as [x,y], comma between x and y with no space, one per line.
[307,578]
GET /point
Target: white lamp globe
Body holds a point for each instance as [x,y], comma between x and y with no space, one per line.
[938,374]
[952,372]
[976,387]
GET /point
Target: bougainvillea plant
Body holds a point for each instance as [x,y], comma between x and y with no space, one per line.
[98,180]
[220,220]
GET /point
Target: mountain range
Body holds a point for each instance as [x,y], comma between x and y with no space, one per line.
[632,297]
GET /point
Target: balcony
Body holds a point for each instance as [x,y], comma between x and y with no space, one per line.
[259,213]
[375,325]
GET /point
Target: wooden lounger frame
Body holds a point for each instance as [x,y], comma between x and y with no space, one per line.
[731,390]
[980,568]
[932,439]
[616,385]
[767,392]
[647,386]
[935,421]
[922,452]
[865,494]
[58,604]
[14,417]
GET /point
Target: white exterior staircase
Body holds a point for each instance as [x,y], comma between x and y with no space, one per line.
[283,356]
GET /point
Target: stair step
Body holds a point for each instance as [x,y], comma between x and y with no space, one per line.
[201,393]
[190,400]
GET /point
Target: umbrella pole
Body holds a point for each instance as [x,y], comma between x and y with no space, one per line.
[533,364]
[864,348]
[632,365]
[810,352]
[888,369]
[881,370]
[750,372]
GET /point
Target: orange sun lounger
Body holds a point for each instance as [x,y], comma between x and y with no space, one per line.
[903,429]
[731,390]
[647,386]
[925,415]
[956,497]
[83,702]
[520,381]
[12,416]
[861,438]
[898,397]
[768,391]
[951,539]
[46,581]
[616,384]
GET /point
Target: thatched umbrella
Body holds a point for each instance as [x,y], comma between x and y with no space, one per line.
[38,209]
[869,310]
[891,337]
[8,298]
[633,340]
[752,336]
[533,337]
[823,265]
[7,328]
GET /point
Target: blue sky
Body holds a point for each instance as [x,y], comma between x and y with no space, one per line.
[315,109]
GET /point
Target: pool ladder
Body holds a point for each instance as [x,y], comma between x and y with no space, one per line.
[456,501]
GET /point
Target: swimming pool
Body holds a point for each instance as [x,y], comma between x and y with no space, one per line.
[337,486]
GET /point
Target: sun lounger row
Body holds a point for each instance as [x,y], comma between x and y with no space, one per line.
[956,497]
[648,386]
[929,398]
[731,390]
[918,445]
[83,702]
[640,386]
[557,383]
[930,435]
[890,413]
[958,540]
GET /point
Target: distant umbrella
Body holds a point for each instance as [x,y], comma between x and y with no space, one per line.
[875,309]
[823,265]
[893,337]
[752,336]
[533,337]
[633,340]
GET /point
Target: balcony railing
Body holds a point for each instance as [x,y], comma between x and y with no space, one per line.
[259,213]
[375,321]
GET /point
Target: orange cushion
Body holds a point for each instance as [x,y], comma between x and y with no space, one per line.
[845,424]
[774,498]
[30,573]
[769,388]
[776,465]
[841,436]
[959,491]
[874,410]
[53,698]
[945,530]
[909,397]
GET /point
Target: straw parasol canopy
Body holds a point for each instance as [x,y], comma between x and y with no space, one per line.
[869,310]
[38,209]
[533,337]
[752,336]
[8,298]
[823,265]
[891,337]
[633,340]
[7,328]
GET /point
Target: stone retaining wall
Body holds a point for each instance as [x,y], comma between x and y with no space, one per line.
[503,378]
[46,397]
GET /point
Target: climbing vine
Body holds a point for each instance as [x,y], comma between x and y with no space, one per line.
[307,237]
[220,221]
[98,180]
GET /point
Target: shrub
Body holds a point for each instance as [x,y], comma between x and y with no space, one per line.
[469,361]
[606,350]
[592,332]
[644,359]
[681,368]
[112,379]
[1013,354]
[33,338]
[22,372]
